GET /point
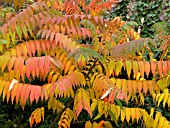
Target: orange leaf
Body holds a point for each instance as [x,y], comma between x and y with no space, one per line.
[153,67]
[145,86]
[160,68]
[141,68]
[11,63]
[134,87]
[165,68]
[150,86]
[18,92]
[147,68]
[129,85]
[139,86]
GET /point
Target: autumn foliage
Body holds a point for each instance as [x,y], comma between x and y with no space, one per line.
[97,64]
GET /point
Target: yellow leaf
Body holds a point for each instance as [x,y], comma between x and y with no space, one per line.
[127,111]
[95,125]
[165,124]
[142,98]
[88,124]
[100,106]
[165,99]
[107,124]
[168,102]
[151,113]
[128,68]
[93,105]
[133,114]
[118,111]
[122,115]
[160,98]
[119,65]
[158,114]
[42,113]
[135,68]
[157,96]
[161,122]
[111,66]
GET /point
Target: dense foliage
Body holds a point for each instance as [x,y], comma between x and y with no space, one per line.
[72,64]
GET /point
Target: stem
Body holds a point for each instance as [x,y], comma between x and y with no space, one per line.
[20,117]
[58,116]
[90,70]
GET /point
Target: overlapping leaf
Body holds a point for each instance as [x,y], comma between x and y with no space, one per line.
[22,92]
[130,114]
[66,118]
[144,67]
[64,86]
[37,66]
[130,48]
[81,101]
[36,116]
[56,105]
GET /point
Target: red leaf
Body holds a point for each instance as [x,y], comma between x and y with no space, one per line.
[119,95]
[37,93]
[112,96]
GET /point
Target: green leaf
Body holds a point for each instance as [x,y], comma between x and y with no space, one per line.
[19,32]
[85,56]
[118,102]
[113,116]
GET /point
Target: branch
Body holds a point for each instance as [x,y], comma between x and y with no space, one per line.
[58,116]
[90,70]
